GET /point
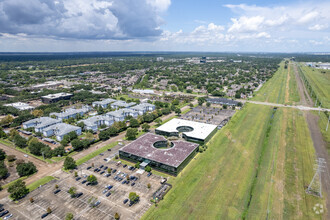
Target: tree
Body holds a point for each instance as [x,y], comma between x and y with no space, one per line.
[92,179]
[20,141]
[69,216]
[13,133]
[18,190]
[6,120]
[224,106]
[145,127]
[112,131]
[26,169]
[239,104]
[147,169]
[72,191]
[158,121]
[149,185]
[69,163]
[177,111]
[81,125]
[137,165]
[134,123]
[59,151]
[131,133]
[175,102]
[103,135]
[117,217]
[3,169]
[208,104]
[133,197]
[49,210]
[77,144]
[11,158]
[37,113]
[2,133]
[2,154]
[201,100]
[31,200]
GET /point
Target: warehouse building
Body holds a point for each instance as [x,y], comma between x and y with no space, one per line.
[189,130]
[155,151]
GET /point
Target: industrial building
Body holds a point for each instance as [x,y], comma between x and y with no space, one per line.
[222,101]
[190,130]
[155,151]
[52,98]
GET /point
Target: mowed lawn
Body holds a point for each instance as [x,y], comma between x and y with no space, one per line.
[281,88]
[285,171]
[217,184]
[320,82]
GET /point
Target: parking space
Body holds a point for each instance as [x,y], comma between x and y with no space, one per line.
[210,115]
[111,191]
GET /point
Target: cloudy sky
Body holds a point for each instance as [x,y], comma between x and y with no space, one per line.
[164,25]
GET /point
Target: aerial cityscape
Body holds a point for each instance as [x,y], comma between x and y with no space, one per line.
[164,109]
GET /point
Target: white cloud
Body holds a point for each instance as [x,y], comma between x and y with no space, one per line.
[83,19]
[318,27]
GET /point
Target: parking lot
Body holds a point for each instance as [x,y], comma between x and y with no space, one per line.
[111,198]
[210,115]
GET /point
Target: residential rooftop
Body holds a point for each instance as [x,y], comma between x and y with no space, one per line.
[61,129]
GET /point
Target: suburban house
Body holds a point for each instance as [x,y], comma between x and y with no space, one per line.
[71,113]
[143,108]
[104,103]
[122,104]
[39,124]
[94,122]
[60,130]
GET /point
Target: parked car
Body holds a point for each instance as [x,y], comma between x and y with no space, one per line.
[4,213]
[57,191]
[78,178]
[108,194]
[8,216]
[101,166]
[149,174]
[88,168]
[133,184]
[97,203]
[125,201]
[44,215]
[84,181]
[79,194]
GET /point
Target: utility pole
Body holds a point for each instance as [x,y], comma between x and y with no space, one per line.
[327,123]
[315,187]
[43,155]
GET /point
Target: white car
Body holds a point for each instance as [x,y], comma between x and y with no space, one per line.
[25,155]
[8,216]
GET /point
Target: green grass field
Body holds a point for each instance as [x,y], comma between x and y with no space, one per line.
[39,182]
[221,183]
[320,83]
[95,153]
[323,120]
[280,89]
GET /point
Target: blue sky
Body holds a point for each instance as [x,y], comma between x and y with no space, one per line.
[164,25]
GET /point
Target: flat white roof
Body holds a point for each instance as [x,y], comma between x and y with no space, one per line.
[200,130]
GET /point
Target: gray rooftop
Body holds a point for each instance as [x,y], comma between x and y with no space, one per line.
[42,121]
[105,102]
[123,104]
[62,128]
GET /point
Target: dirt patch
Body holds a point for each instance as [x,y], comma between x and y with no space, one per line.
[305,99]
[287,93]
